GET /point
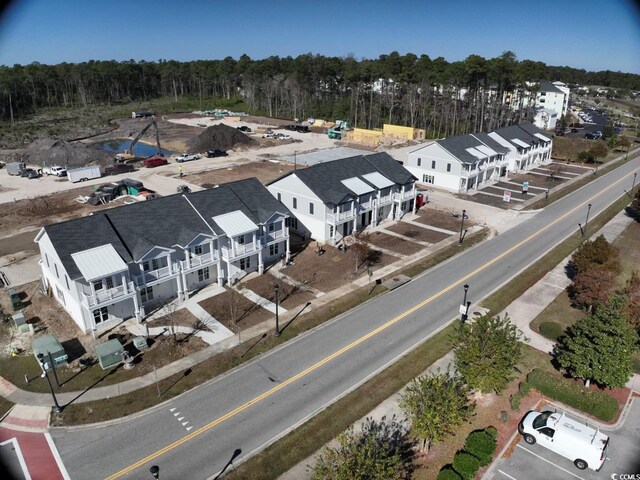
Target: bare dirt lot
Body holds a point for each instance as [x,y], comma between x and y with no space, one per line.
[265,171]
[418,233]
[288,296]
[331,269]
[234,310]
[393,243]
[439,219]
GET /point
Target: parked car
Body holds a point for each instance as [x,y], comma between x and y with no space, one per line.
[30,173]
[302,128]
[155,162]
[186,157]
[290,127]
[216,153]
[560,133]
[284,136]
[574,130]
[118,168]
[57,171]
[244,128]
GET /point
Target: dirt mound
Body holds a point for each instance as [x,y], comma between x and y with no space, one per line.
[220,137]
[49,151]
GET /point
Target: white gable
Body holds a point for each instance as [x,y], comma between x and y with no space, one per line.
[235,223]
[99,262]
[291,183]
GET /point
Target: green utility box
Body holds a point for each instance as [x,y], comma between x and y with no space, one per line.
[140,343]
[15,299]
[21,323]
[109,353]
[48,344]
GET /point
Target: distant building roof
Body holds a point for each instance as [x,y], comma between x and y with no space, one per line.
[547,86]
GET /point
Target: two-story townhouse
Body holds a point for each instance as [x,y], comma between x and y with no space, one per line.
[458,163]
[331,200]
[527,145]
[118,263]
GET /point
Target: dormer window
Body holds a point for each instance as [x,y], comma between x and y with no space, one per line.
[197,250]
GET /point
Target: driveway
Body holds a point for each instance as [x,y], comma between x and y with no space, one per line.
[533,462]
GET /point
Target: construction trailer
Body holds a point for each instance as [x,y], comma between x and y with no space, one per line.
[84,173]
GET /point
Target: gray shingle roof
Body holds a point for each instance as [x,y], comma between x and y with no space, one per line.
[457,146]
[325,179]
[491,143]
[531,129]
[168,221]
[514,131]
[547,86]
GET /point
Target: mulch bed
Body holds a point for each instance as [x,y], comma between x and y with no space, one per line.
[245,313]
[395,244]
[288,296]
[429,216]
[418,233]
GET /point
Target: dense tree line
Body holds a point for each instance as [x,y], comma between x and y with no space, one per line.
[444,97]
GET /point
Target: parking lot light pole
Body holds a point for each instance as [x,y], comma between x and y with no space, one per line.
[57,408]
[463,316]
[276,287]
[464,214]
[586,220]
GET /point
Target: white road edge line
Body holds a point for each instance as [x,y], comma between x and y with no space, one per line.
[548,461]
[507,475]
[56,455]
[23,464]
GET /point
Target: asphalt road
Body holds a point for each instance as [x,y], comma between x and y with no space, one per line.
[262,400]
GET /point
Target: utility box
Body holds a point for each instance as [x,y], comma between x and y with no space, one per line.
[48,344]
[109,353]
[140,343]
[14,296]
[21,323]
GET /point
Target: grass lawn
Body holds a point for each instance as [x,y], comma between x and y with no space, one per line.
[559,311]
[5,406]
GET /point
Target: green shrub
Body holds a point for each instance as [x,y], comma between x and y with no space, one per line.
[524,388]
[551,330]
[593,402]
[448,473]
[514,401]
[492,432]
[466,465]
[504,416]
[481,445]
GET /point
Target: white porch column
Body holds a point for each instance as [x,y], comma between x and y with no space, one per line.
[288,251]
[415,200]
[187,255]
[260,264]
[233,247]
[220,277]
[125,287]
[136,307]
[180,285]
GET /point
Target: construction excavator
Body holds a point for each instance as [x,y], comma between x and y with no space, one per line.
[128,154]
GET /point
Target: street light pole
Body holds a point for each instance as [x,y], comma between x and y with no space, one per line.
[57,408]
[586,220]
[633,185]
[464,214]
[276,287]
[463,316]
[155,471]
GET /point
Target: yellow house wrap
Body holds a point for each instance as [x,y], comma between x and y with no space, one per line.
[364,136]
[405,133]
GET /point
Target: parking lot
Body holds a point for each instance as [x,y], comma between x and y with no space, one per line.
[534,462]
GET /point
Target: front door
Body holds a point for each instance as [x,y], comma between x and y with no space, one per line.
[345,229]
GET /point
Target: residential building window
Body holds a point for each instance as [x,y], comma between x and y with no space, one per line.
[245,263]
[292,222]
[146,294]
[380,211]
[271,227]
[542,100]
[109,282]
[279,197]
[203,274]
[155,264]
[197,249]
[145,266]
[60,295]
[46,259]
[448,167]
[100,315]
[310,208]
[56,267]
[427,179]
[419,162]
[66,279]
[241,240]
[433,164]
[98,285]
[331,231]
[295,202]
[274,249]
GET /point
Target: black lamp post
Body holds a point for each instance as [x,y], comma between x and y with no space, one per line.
[586,220]
[464,214]
[57,407]
[155,471]
[276,287]
[463,316]
[633,185]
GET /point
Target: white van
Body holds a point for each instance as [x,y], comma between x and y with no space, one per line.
[583,445]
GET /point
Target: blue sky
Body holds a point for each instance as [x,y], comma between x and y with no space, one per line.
[593,35]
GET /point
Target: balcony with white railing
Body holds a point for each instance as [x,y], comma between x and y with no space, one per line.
[152,276]
[273,236]
[401,196]
[340,217]
[101,296]
[384,200]
[238,250]
[200,260]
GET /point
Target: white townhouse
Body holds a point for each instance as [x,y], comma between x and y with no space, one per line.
[331,200]
[459,163]
[528,146]
[553,96]
[115,264]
